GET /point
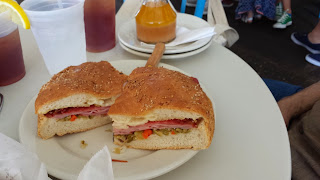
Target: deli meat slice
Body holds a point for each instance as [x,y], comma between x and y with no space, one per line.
[173,123]
[83,111]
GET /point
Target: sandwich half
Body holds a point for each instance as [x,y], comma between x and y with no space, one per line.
[162,109]
[78,99]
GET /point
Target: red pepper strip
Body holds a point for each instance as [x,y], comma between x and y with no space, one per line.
[73,117]
[146,133]
[172,132]
[195,80]
[116,160]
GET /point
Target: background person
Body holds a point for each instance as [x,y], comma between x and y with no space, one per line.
[247,9]
[301,113]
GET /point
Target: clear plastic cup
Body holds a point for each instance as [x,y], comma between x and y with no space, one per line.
[12,67]
[58,27]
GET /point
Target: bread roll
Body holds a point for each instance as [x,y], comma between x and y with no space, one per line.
[85,92]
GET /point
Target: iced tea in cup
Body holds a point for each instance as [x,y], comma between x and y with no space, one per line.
[58,28]
[11,59]
[99,18]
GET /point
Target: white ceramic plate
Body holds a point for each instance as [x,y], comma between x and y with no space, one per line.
[64,158]
[167,56]
[127,35]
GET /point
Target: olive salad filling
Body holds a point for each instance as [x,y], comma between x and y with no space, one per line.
[141,134]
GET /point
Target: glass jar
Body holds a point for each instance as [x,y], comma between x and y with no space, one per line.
[99,19]
[156,22]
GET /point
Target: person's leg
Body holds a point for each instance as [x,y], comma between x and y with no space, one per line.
[250,17]
[285,19]
[245,10]
[281,89]
[309,41]
[279,10]
[287,6]
[314,35]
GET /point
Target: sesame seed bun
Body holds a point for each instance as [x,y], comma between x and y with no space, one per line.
[91,83]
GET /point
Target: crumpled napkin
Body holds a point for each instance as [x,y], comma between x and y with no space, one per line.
[18,163]
[99,167]
[185,35]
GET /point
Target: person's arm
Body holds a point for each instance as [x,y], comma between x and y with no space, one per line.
[300,102]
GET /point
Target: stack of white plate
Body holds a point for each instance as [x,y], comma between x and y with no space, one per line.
[128,39]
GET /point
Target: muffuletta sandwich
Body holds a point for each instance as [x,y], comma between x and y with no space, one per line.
[162,109]
[78,99]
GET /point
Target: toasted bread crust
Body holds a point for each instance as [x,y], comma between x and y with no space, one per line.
[99,79]
[150,88]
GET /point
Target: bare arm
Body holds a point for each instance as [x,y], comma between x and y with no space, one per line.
[300,102]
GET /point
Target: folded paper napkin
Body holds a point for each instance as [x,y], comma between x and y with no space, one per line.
[19,163]
[99,167]
[185,35]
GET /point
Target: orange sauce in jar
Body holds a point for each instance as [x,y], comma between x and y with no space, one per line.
[156,22]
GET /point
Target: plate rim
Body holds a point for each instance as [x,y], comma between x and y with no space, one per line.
[150,174]
[178,56]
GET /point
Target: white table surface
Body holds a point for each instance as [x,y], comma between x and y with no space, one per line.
[250,140]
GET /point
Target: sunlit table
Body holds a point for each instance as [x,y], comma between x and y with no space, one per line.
[250,140]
